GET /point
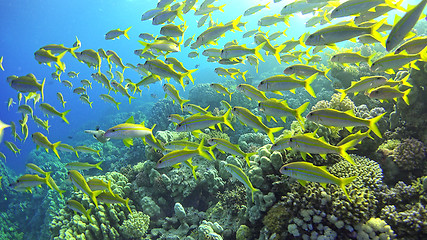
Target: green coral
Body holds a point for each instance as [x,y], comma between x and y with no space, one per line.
[136,225]
[276,219]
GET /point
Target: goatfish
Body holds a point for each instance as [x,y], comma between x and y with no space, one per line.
[128,130]
[56,188]
[111,198]
[46,56]
[279,83]
[85,98]
[173,93]
[353,7]
[253,61]
[413,46]
[345,58]
[305,171]
[402,26]
[78,207]
[32,168]
[260,39]
[248,118]
[154,143]
[28,83]
[97,184]
[1,63]
[238,174]
[200,121]
[255,9]
[391,62]
[41,123]
[251,92]
[338,33]
[175,118]
[114,57]
[225,146]
[305,70]
[80,183]
[166,15]
[224,72]
[61,99]
[86,83]
[359,136]
[279,108]
[116,33]
[241,50]
[110,99]
[387,92]
[67,148]
[12,147]
[27,181]
[193,109]
[336,118]
[162,69]
[91,58]
[85,149]
[220,89]
[150,79]
[41,141]
[162,45]
[282,143]
[364,84]
[47,109]
[122,90]
[178,66]
[175,158]
[82,166]
[3,156]
[307,143]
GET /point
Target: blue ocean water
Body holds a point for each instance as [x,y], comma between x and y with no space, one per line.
[29,25]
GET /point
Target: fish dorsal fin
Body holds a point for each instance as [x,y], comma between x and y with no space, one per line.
[323,168]
[323,185]
[130,120]
[397,17]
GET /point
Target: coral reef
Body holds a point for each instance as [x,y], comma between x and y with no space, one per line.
[135,226]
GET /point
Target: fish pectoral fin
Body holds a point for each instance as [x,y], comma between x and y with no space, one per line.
[302,182]
[323,185]
[323,156]
[178,165]
[255,129]
[128,142]
[350,128]
[303,155]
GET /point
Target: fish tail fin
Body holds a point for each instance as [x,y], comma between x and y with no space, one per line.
[47,178]
[76,154]
[61,192]
[277,51]
[220,8]
[98,164]
[125,32]
[235,23]
[193,170]
[90,104]
[405,96]
[63,104]
[257,49]
[249,155]
[63,116]
[127,205]
[243,75]
[226,120]
[109,187]
[343,151]
[307,84]
[146,47]
[271,131]
[189,74]
[374,31]
[183,101]
[54,146]
[344,182]
[130,98]
[93,196]
[200,149]
[299,111]
[252,192]
[404,81]
[301,40]
[343,93]
[325,74]
[42,89]
[373,124]
[180,13]
[87,214]
[71,51]
[61,65]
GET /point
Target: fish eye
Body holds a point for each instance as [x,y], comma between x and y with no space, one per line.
[113,130]
[18,181]
[291,140]
[291,68]
[234,108]
[261,83]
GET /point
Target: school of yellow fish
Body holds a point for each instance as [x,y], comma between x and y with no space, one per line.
[367,25]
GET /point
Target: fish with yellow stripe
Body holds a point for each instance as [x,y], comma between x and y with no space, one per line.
[128,130]
[307,172]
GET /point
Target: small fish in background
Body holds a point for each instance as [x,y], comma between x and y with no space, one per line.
[116,33]
[78,207]
[153,95]
[197,66]
[41,141]
[1,63]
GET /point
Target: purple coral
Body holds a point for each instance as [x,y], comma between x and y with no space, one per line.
[410,154]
